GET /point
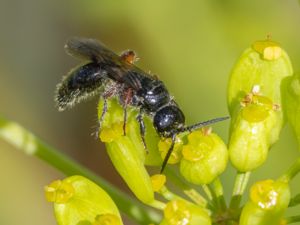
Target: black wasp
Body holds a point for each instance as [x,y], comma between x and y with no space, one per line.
[109,75]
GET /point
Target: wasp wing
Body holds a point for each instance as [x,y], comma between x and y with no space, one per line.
[81,83]
[116,68]
[89,49]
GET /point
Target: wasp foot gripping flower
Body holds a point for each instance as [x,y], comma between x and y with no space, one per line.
[204,157]
[178,212]
[127,152]
[268,201]
[292,103]
[79,201]
[256,117]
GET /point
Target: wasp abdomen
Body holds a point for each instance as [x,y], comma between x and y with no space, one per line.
[80,83]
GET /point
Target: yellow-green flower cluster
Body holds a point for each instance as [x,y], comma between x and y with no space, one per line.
[255,104]
[254,100]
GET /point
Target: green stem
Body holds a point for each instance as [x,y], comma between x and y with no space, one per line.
[207,191]
[31,145]
[240,185]
[158,205]
[168,195]
[218,189]
[295,201]
[292,219]
[292,171]
[187,190]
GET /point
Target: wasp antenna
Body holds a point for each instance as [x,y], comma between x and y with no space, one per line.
[202,124]
[166,159]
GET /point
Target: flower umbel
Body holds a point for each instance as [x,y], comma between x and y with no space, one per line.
[261,89]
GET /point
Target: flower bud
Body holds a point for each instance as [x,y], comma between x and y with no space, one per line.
[164,146]
[254,69]
[204,157]
[179,212]
[252,132]
[78,200]
[292,103]
[127,152]
[256,116]
[268,201]
[158,181]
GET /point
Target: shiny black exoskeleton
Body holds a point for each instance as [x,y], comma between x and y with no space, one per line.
[108,74]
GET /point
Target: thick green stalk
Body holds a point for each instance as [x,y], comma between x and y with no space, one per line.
[218,189]
[292,171]
[31,145]
[240,185]
[190,192]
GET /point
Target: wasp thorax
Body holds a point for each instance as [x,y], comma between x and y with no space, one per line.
[154,94]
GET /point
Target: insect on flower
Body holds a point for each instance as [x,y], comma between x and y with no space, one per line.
[107,75]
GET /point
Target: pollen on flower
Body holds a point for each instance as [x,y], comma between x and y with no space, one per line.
[268,49]
[109,134]
[107,219]
[176,212]
[199,146]
[164,146]
[59,191]
[264,194]
[158,181]
[256,108]
[272,53]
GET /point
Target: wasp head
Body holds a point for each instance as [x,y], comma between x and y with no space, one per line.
[168,120]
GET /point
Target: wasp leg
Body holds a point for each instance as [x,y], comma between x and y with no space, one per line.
[125,120]
[111,90]
[166,159]
[127,98]
[142,129]
[104,110]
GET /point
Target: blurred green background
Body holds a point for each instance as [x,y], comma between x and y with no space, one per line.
[192,46]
